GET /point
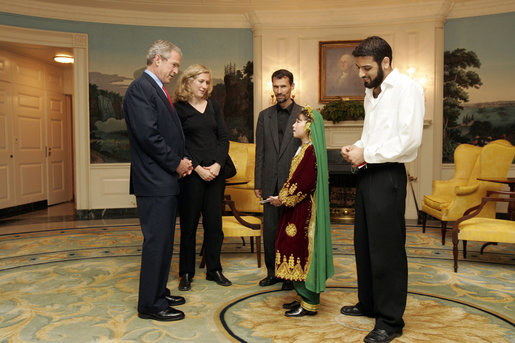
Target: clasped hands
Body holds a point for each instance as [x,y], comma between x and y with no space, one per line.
[185,167]
[208,173]
[353,154]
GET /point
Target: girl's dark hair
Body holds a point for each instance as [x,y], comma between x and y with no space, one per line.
[305,113]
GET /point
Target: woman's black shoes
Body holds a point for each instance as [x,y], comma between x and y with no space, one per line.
[185,283]
[219,278]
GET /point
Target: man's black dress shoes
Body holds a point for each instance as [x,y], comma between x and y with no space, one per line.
[287,285]
[269,281]
[219,278]
[299,311]
[185,283]
[381,336]
[291,305]
[352,311]
[166,315]
[175,300]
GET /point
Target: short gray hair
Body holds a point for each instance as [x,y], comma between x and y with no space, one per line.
[162,48]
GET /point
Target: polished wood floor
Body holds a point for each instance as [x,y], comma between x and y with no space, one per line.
[61,216]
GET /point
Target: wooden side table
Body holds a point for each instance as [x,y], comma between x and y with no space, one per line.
[510,181]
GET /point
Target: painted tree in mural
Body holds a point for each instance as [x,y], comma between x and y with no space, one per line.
[457,79]
[239,103]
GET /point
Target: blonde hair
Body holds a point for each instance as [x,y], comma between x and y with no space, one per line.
[182,91]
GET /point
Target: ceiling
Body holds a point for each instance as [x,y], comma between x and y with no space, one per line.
[229,13]
[39,52]
[219,6]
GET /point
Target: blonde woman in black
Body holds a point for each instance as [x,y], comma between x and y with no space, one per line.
[208,145]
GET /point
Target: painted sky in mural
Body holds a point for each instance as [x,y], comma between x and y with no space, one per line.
[492,39]
[490,112]
[121,51]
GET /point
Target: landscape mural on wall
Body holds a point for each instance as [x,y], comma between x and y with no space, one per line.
[228,54]
[117,57]
[479,69]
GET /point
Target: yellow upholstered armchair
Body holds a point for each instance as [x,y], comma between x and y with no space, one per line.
[472,227]
[451,198]
[236,225]
[241,186]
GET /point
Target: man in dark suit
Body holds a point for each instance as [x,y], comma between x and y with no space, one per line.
[275,148]
[157,162]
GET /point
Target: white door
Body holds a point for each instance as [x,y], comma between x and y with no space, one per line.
[59,149]
[6,150]
[29,144]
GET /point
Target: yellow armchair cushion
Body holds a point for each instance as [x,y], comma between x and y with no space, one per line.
[466,190]
[232,228]
[487,230]
[243,156]
[444,188]
[437,203]
[239,156]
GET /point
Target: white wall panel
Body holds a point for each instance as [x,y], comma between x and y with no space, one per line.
[110,186]
[6,73]
[28,72]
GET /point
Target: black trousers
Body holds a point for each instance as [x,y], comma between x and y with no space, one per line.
[157,219]
[379,243]
[201,197]
[271,215]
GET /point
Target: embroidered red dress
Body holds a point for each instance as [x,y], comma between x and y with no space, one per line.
[294,242]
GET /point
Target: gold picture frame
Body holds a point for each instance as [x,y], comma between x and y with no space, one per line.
[338,75]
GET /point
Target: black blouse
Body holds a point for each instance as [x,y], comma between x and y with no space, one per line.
[206,134]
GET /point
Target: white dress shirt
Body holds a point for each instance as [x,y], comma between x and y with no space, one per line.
[392,131]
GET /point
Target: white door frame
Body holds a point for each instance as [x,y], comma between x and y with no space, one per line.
[79,43]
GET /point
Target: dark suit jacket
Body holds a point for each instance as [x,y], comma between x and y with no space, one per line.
[156,139]
[273,161]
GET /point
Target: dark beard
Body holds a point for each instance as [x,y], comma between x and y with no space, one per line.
[280,101]
[376,82]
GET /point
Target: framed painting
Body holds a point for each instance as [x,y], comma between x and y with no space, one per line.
[338,75]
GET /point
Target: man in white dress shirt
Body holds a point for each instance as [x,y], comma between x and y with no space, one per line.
[392,133]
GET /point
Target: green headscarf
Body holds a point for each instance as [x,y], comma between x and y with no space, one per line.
[321,267]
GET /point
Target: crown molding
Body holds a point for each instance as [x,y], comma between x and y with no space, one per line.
[474,8]
[428,11]
[250,14]
[408,12]
[45,37]
[123,16]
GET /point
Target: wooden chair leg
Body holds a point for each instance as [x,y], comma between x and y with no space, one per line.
[464,249]
[444,228]
[485,245]
[455,255]
[258,251]
[243,240]
[203,259]
[252,244]
[424,220]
